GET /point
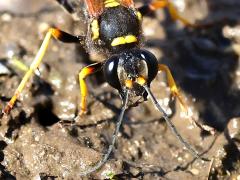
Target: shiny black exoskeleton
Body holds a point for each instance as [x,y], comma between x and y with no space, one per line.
[131,64]
[116,22]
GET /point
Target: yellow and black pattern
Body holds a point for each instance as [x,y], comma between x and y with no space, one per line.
[119,27]
[95,29]
[111,3]
[124,40]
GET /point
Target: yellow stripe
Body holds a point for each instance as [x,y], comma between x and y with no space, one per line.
[95,29]
[139,15]
[111,3]
[124,40]
[130,39]
[117,41]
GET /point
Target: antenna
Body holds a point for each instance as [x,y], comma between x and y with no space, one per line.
[171,125]
[114,137]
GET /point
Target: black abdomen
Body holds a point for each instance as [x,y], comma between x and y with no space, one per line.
[117,22]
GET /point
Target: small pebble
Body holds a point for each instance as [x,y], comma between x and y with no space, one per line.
[4,70]
[6,17]
[194,172]
[234,127]
[238,177]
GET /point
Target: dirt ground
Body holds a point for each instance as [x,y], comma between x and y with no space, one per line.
[204,62]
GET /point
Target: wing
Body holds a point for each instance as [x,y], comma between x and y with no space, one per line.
[77,7]
[127,3]
[94,7]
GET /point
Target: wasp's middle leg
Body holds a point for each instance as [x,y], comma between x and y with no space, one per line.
[173,87]
[86,71]
[157,4]
[175,92]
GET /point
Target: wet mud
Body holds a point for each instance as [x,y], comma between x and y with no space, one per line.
[40,140]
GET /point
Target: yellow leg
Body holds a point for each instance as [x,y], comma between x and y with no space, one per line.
[173,87]
[165,4]
[86,71]
[176,16]
[57,34]
[175,92]
[17,63]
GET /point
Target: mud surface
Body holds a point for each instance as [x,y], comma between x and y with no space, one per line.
[204,62]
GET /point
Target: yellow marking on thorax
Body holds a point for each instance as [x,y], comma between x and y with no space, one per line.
[139,15]
[95,29]
[111,3]
[123,40]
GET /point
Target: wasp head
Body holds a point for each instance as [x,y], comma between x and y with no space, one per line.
[131,70]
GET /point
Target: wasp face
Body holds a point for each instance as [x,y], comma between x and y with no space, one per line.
[130,69]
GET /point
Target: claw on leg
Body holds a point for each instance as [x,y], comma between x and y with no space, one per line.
[176,93]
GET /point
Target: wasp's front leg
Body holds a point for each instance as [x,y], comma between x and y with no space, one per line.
[52,32]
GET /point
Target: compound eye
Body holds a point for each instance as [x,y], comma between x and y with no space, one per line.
[152,64]
[110,72]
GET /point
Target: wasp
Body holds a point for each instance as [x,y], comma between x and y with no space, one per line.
[114,26]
